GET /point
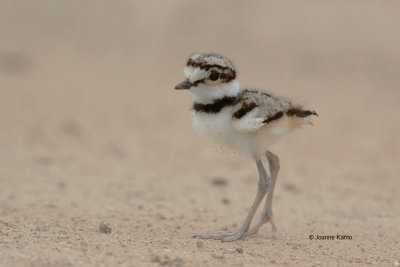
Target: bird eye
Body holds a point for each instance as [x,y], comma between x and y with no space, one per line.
[214,76]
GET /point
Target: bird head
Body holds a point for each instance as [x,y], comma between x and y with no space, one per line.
[209,76]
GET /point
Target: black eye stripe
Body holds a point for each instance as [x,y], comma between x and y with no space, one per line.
[226,74]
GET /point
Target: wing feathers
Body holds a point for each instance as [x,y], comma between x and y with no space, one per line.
[253,109]
[275,117]
[244,109]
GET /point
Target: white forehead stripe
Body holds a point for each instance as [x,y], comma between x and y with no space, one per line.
[194,73]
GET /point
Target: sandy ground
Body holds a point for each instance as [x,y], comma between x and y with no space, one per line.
[91,130]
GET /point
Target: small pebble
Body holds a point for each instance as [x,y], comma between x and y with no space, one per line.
[43,228]
[155,258]
[167,261]
[219,181]
[105,227]
[199,244]
[225,201]
[291,188]
[160,216]
[177,262]
[239,250]
[218,257]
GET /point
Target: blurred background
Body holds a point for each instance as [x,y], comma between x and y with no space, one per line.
[91,129]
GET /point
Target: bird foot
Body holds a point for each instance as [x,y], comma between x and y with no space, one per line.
[225,236]
[228,236]
[254,230]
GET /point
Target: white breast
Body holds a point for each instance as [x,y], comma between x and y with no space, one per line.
[219,129]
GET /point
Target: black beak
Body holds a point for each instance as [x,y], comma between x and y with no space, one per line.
[186,84]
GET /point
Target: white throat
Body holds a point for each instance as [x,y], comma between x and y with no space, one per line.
[206,93]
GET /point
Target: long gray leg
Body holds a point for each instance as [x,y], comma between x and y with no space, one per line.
[267,214]
[263,183]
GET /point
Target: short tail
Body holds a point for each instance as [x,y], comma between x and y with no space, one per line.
[301,113]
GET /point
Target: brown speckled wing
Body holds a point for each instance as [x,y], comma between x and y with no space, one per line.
[269,107]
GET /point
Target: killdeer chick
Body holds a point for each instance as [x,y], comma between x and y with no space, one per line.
[247,121]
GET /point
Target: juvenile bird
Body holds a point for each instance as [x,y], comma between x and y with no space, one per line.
[247,121]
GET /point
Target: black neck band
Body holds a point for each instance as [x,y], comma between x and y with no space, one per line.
[216,106]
